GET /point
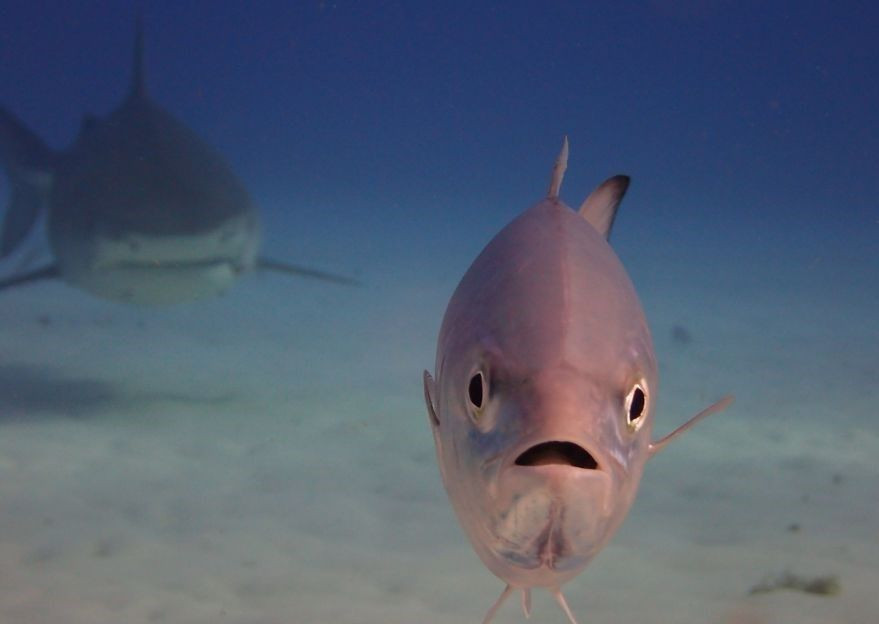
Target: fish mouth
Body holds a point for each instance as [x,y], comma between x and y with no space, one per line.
[558,453]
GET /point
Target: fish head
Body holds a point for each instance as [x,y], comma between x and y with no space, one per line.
[542,406]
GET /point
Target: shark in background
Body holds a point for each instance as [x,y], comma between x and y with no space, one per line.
[139,209]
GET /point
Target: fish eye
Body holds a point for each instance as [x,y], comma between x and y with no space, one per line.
[476,391]
[636,404]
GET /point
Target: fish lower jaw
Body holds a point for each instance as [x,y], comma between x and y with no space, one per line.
[553,472]
[548,574]
[561,481]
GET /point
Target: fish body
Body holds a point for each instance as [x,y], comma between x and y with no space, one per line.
[543,402]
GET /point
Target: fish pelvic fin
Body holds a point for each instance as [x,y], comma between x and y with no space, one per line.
[558,171]
[560,599]
[660,444]
[526,602]
[497,604]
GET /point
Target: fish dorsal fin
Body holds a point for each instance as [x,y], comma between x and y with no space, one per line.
[138,85]
[558,171]
[600,208]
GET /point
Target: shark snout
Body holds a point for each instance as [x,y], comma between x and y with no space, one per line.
[557,452]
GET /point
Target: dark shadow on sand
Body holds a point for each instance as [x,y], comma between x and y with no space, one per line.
[39,393]
[27,391]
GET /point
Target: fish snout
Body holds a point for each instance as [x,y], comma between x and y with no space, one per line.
[553,510]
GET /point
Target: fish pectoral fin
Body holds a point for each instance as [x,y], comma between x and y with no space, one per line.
[266,264]
[497,604]
[47,272]
[660,444]
[560,599]
[429,391]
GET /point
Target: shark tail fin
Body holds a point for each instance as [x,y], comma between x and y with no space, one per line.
[28,162]
[266,264]
[560,599]
[47,272]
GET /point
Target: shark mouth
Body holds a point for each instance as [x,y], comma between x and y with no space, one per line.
[558,453]
[175,265]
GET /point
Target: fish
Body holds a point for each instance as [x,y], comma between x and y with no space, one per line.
[139,209]
[543,402]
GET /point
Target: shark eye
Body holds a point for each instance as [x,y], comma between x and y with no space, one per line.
[636,407]
[476,391]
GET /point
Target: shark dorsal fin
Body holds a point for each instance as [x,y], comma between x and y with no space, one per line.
[558,171]
[138,85]
[600,208]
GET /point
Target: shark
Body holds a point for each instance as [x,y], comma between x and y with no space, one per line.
[544,393]
[139,209]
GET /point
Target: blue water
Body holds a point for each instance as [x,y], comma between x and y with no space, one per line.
[265,456]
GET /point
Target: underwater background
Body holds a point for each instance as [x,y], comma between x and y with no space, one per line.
[265,456]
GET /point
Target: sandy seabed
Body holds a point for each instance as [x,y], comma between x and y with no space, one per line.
[265,458]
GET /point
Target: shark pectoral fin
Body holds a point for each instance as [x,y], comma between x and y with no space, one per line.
[600,208]
[721,405]
[560,599]
[266,264]
[429,391]
[48,272]
[497,604]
